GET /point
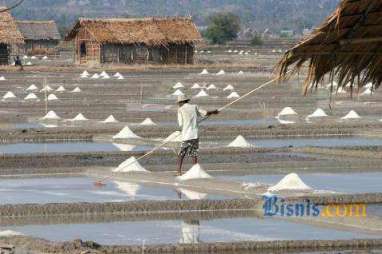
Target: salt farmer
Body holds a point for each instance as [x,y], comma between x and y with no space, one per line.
[188,119]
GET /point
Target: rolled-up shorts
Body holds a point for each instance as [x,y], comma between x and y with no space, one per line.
[190,148]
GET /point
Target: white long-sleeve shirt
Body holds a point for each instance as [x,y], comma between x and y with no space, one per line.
[188,116]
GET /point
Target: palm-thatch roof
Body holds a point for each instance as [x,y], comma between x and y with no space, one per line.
[149,31]
[348,46]
[39,30]
[9,33]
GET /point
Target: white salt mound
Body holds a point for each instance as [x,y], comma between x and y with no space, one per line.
[334,84]
[367,92]
[76,90]
[52,97]
[95,76]
[32,88]
[130,188]
[177,93]
[147,122]
[233,95]
[202,93]
[174,137]
[204,72]
[240,73]
[130,165]
[341,91]
[45,58]
[25,57]
[211,87]
[221,72]
[9,95]
[29,63]
[104,74]
[61,89]
[290,182]
[369,85]
[287,111]
[85,73]
[31,97]
[178,85]
[195,86]
[46,89]
[228,88]
[241,142]
[51,115]
[192,195]
[110,119]
[121,77]
[6,233]
[2,78]
[126,133]
[33,57]
[351,115]
[117,74]
[196,172]
[318,113]
[80,117]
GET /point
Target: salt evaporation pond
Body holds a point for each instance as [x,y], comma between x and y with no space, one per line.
[75,147]
[342,182]
[81,189]
[171,232]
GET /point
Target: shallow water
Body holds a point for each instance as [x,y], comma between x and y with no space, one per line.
[82,189]
[174,231]
[343,182]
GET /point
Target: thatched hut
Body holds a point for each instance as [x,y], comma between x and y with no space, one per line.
[135,41]
[347,46]
[10,37]
[41,37]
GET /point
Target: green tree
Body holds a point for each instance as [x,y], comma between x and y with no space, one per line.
[223,27]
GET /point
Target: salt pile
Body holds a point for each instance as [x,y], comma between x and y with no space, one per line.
[202,93]
[174,137]
[76,90]
[204,72]
[341,91]
[221,72]
[110,119]
[29,63]
[192,195]
[95,76]
[52,97]
[334,84]
[121,77]
[105,76]
[9,95]
[196,172]
[126,133]
[177,93]
[51,115]
[46,89]
[240,73]
[228,88]
[318,113]
[369,85]
[366,92]
[287,111]
[117,74]
[290,182]
[2,78]
[130,165]
[31,97]
[178,85]
[33,58]
[85,74]
[32,88]
[25,57]
[80,117]
[196,86]
[351,115]
[7,233]
[233,95]
[130,188]
[45,58]
[61,89]
[211,87]
[241,142]
[147,122]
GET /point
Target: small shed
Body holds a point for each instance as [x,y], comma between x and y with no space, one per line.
[41,37]
[10,37]
[135,41]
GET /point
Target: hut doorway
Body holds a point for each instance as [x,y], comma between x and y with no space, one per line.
[4,54]
[83,49]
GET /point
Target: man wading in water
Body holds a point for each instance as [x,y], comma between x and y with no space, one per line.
[188,117]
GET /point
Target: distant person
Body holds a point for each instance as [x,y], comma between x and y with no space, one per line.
[19,63]
[188,119]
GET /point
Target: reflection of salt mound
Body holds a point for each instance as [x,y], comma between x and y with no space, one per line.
[228,88]
[130,188]
[130,165]
[110,119]
[178,85]
[281,121]
[290,182]
[196,172]
[46,89]
[366,92]
[95,76]
[287,111]
[318,113]
[61,89]
[51,115]
[195,86]
[2,78]
[174,137]
[125,147]
[76,90]
[125,133]
[177,93]
[9,95]
[351,115]
[52,97]
[211,87]
[233,95]
[221,72]
[7,233]
[190,233]
[204,72]
[147,122]
[192,195]
[241,142]
[31,97]
[202,93]
[32,88]
[80,117]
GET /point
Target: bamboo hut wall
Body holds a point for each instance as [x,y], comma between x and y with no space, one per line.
[40,47]
[93,48]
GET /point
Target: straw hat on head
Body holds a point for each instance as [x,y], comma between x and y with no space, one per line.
[182,98]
